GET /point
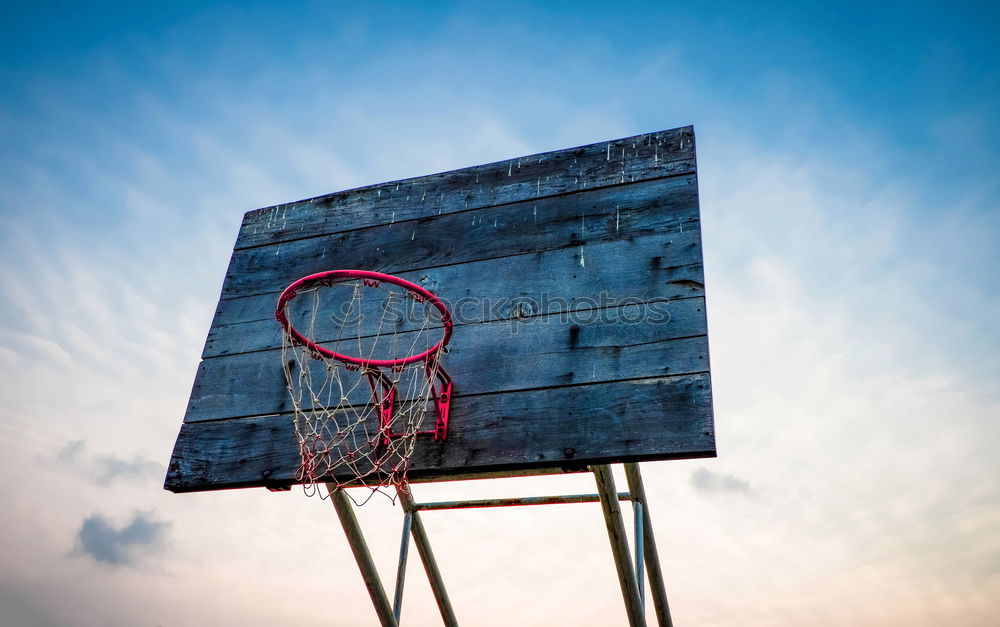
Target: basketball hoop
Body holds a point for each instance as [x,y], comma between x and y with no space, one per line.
[359,326]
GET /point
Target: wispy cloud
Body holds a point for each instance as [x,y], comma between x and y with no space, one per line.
[71,453]
[121,546]
[107,469]
[704,480]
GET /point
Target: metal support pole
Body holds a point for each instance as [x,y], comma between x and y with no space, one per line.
[427,557]
[639,533]
[404,550]
[345,511]
[619,544]
[656,583]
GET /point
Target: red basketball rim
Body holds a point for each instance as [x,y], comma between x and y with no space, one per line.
[291,290]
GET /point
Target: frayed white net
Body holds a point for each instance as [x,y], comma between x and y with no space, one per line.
[357,423]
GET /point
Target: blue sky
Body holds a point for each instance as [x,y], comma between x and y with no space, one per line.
[852,236]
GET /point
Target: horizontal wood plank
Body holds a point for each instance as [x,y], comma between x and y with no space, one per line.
[547,351]
[638,158]
[643,269]
[569,428]
[659,207]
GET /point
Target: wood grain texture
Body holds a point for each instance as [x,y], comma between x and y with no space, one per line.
[627,160]
[492,357]
[662,206]
[645,269]
[619,267]
[569,428]
[615,267]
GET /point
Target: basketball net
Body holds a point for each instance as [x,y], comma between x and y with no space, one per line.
[361,354]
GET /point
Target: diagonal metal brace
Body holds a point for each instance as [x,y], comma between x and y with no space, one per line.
[619,545]
[652,558]
[345,511]
[427,557]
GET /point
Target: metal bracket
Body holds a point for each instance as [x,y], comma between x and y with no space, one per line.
[384,394]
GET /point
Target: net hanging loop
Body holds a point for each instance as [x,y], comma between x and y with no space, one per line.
[379,340]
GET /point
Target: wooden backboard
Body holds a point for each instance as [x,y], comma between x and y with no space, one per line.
[576,281]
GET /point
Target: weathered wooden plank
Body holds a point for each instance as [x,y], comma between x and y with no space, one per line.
[623,267]
[653,207]
[491,357]
[626,160]
[646,268]
[570,427]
